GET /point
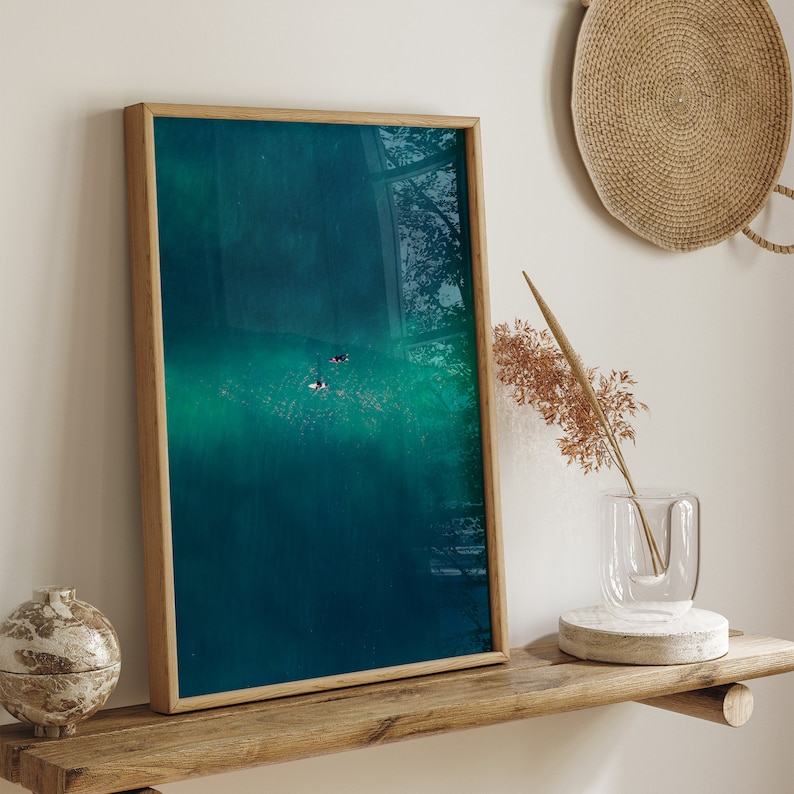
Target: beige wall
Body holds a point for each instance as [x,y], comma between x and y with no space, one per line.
[708,336]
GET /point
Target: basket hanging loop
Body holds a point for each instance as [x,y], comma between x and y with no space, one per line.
[758,240]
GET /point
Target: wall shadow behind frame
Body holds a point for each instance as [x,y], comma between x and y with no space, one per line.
[318,452]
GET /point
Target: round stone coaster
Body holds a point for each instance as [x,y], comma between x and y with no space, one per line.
[593,633]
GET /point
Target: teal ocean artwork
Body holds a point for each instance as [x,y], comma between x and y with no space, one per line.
[322,399]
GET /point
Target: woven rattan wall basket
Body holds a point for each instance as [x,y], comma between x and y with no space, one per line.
[682,112]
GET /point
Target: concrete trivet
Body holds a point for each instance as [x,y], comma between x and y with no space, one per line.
[593,633]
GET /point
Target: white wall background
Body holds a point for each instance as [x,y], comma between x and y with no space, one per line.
[708,336]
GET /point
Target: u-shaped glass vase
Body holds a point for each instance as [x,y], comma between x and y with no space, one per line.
[649,554]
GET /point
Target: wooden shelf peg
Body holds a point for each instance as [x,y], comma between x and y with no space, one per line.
[729,704]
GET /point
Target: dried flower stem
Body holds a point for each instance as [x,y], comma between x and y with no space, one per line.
[608,437]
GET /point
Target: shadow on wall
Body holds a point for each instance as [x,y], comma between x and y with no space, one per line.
[97,504]
[559,99]
[559,102]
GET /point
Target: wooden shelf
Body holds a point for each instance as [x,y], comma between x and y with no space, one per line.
[133,748]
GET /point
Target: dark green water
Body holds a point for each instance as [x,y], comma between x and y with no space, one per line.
[318,531]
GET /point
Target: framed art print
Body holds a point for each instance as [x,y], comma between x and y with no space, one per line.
[317,441]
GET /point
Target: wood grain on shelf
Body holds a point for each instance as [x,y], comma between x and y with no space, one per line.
[131,747]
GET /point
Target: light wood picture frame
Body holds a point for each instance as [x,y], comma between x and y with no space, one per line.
[318,458]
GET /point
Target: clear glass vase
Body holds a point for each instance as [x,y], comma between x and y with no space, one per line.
[649,555]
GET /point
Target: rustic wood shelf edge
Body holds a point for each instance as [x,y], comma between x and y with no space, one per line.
[132,748]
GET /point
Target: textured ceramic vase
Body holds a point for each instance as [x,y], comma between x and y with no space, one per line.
[59,661]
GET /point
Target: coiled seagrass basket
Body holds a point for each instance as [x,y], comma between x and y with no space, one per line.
[682,111]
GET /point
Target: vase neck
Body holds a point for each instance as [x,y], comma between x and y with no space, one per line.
[54,595]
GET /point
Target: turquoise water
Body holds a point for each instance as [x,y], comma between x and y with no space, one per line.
[318,531]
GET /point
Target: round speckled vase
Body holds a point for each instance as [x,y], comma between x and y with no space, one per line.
[59,661]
